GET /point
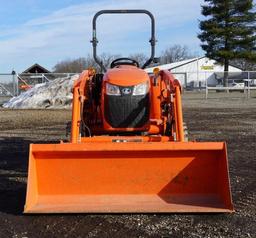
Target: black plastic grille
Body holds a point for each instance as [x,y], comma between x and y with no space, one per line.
[127,111]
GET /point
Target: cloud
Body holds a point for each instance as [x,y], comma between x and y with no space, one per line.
[66,32]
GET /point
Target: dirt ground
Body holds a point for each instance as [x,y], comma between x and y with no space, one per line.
[230,119]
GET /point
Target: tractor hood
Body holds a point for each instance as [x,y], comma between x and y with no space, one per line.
[126,76]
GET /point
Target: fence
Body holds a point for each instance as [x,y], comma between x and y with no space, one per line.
[8,85]
[208,81]
[246,89]
[212,82]
[13,84]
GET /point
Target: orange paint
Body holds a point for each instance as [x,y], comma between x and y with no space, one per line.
[128,177]
[134,173]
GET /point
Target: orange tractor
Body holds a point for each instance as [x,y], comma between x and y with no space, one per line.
[127,151]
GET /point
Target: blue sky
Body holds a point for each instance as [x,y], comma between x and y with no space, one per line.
[47,32]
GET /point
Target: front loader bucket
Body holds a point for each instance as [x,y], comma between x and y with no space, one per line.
[96,177]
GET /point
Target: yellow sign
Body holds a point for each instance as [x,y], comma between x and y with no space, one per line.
[207,67]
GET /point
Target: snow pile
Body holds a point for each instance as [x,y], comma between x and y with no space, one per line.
[53,94]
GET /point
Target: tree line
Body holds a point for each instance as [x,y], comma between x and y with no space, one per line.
[169,55]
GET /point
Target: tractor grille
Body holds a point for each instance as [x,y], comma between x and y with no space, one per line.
[127,111]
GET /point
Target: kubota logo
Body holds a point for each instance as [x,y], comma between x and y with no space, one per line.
[126,91]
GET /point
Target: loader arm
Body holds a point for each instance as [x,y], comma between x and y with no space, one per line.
[79,96]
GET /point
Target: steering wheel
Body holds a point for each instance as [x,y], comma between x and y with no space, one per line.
[124,61]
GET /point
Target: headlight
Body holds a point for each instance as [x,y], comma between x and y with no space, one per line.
[112,90]
[140,89]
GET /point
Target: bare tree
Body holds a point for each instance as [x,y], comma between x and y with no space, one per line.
[171,54]
[75,65]
[175,53]
[107,59]
[244,65]
[80,64]
[139,57]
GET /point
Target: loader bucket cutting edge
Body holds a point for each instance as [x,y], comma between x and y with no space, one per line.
[128,177]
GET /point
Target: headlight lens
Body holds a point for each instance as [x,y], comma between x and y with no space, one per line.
[140,89]
[112,90]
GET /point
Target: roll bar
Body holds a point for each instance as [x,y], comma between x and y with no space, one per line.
[94,40]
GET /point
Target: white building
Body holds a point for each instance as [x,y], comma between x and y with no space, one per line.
[197,71]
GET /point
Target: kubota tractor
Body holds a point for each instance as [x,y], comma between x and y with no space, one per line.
[127,151]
